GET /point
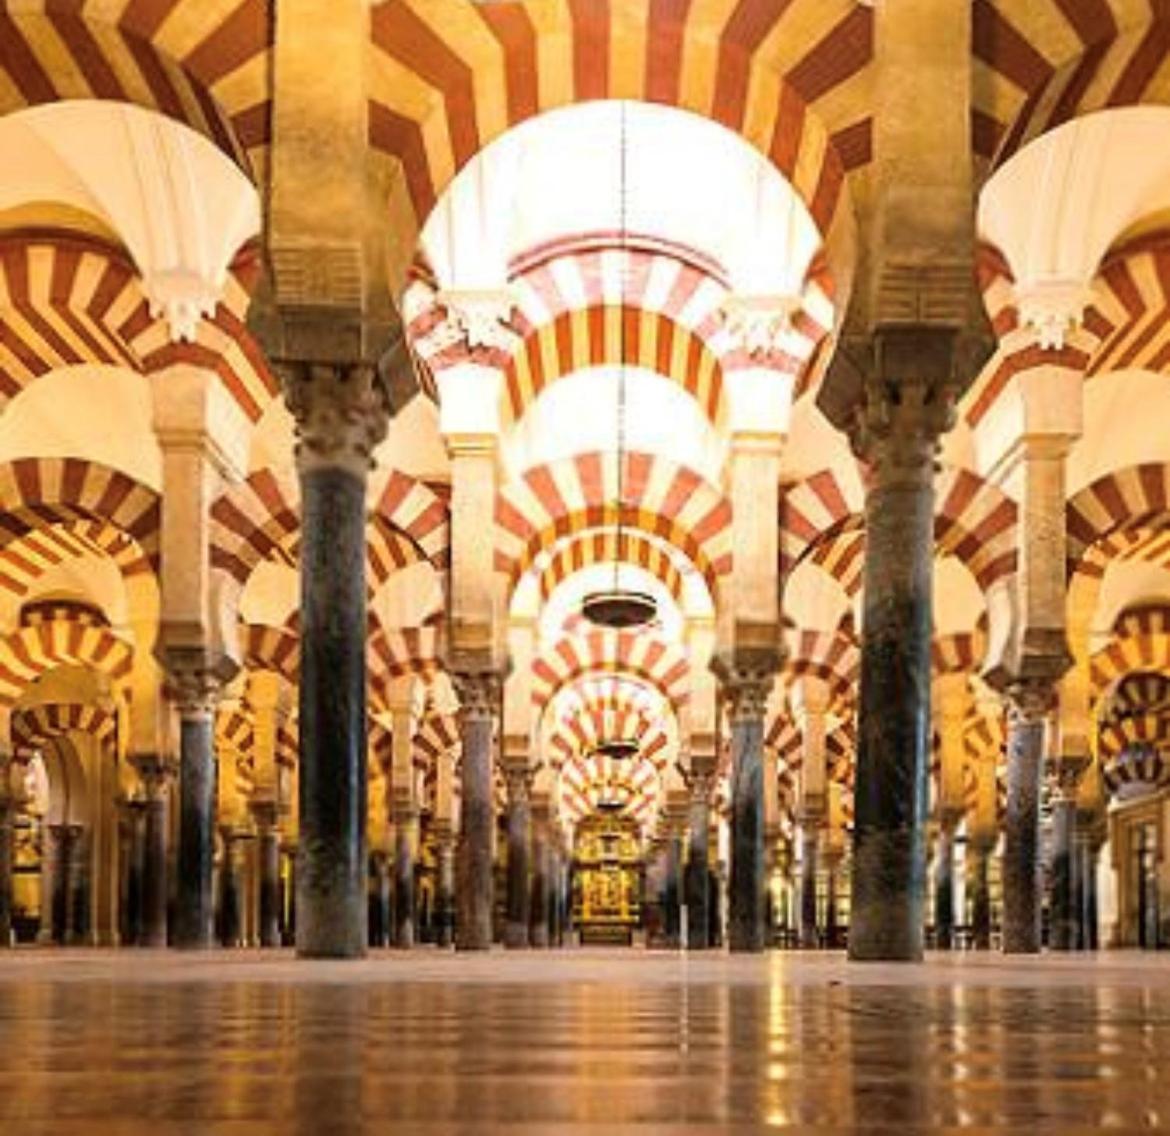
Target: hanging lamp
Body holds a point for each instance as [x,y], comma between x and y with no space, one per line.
[617,749]
[618,607]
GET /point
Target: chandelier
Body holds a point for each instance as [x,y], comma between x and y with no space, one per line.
[618,607]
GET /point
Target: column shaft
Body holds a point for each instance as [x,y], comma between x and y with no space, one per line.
[404,898]
[152,931]
[1021,853]
[519,833]
[670,890]
[77,896]
[698,855]
[980,853]
[539,914]
[1064,853]
[268,859]
[194,899]
[445,888]
[944,886]
[810,937]
[7,837]
[331,875]
[889,855]
[473,930]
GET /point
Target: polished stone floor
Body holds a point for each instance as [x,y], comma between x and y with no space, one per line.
[585,1041]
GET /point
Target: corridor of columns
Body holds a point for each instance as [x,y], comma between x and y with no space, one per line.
[682,477]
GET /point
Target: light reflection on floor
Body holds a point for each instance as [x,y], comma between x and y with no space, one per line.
[610,1042]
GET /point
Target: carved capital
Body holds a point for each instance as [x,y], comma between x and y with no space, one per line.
[1053,310]
[478,693]
[480,320]
[195,691]
[265,814]
[907,400]
[758,324]
[155,771]
[1030,700]
[518,778]
[746,680]
[342,412]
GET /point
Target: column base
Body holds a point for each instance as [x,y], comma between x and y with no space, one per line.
[516,936]
[886,915]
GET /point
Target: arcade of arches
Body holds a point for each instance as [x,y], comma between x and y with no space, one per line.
[833,336]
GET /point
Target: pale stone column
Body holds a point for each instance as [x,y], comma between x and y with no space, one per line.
[155,773]
[907,405]
[746,686]
[341,411]
[479,700]
[1030,704]
[518,777]
[195,692]
[702,775]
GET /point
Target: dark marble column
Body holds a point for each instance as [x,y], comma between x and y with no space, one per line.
[832,862]
[151,850]
[558,898]
[380,898]
[1029,703]
[195,692]
[698,857]
[979,854]
[60,839]
[131,824]
[671,888]
[289,931]
[944,884]
[538,915]
[77,894]
[1090,847]
[7,846]
[341,413]
[231,889]
[519,781]
[479,697]
[267,818]
[810,937]
[746,683]
[444,883]
[1062,899]
[906,406]
[405,834]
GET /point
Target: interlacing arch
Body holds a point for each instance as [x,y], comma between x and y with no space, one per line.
[31,651]
[1140,641]
[833,656]
[601,651]
[266,648]
[1103,519]
[31,726]
[667,500]
[259,520]
[448,77]
[205,65]
[394,652]
[1134,732]
[1029,81]
[975,521]
[40,493]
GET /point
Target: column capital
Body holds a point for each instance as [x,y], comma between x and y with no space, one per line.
[1030,700]
[518,777]
[747,680]
[155,771]
[478,693]
[193,686]
[907,398]
[342,412]
[265,814]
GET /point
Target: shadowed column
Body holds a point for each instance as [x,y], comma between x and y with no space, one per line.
[267,818]
[195,692]
[906,406]
[341,414]
[156,775]
[519,782]
[699,854]
[7,834]
[479,698]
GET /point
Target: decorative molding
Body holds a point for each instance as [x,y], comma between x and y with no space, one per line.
[1052,310]
[758,323]
[479,318]
[182,297]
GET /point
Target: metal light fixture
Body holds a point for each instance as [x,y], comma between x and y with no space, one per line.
[617,749]
[619,608]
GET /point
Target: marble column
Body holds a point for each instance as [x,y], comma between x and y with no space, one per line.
[444,883]
[156,776]
[944,883]
[341,412]
[1089,842]
[231,891]
[907,405]
[978,857]
[381,897]
[1061,902]
[538,915]
[746,685]
[195,692]
[698,860]
[832,861]
[557,897]
[810,937]
[7,849]
[519,781]
[405,839]
[1029,704]
[267,818]
[479,698]
[671,888]
[131,854]
[77,894]
[54,882]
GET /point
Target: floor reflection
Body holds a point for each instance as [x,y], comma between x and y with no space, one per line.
[542,1046]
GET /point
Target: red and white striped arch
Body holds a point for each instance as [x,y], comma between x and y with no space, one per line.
[578,494]
[450,76]
[1119,516]
[1043,63]
[1140,641]
[31,726]
[205,63]
[276,649]
[30,652]
[639,654]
